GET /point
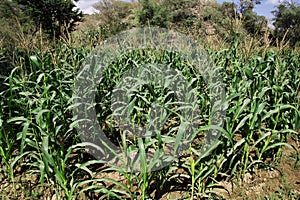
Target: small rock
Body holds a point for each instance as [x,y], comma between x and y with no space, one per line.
[273,174]
[18,186]
[5,185]
[54,197]
[18,169]
[247,178]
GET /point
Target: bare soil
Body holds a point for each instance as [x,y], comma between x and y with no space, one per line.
[280,181]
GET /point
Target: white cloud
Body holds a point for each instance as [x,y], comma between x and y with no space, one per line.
[87,6]
[273,2]
[276,2]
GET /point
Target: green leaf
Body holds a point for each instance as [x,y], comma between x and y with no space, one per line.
[34,60]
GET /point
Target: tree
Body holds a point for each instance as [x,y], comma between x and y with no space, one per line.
[153,13]
[229,9]
[246,5]
[253,23]
[287,21]
[56,17]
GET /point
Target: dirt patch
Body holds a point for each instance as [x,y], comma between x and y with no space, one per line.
[278,182]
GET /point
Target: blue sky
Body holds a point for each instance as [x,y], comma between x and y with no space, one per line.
[264,8]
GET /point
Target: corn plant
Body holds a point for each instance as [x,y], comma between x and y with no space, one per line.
[37,126]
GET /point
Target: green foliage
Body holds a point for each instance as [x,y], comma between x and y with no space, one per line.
[246,5]
[287,21]
[7,34]
[55,17]
[14,25]
[36,118]
[115,15]
[253,23]
[229,9]
[37,131]
[179,9]
[153,14]
[37,127]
